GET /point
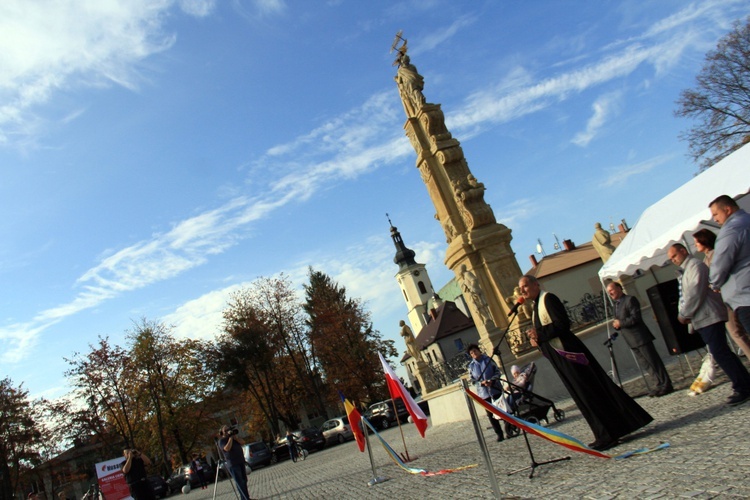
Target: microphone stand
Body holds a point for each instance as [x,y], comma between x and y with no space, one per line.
[611,338]
[613,362]
[496,352]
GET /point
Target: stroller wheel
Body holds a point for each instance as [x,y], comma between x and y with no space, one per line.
[533,420]
[512,430]
[559,415]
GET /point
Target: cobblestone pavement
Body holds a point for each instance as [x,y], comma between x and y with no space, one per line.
[708,457]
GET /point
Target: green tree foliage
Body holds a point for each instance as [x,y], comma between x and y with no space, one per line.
[721,100]
[20,437]
[343,342]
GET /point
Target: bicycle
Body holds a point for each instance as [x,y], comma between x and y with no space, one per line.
[301,452]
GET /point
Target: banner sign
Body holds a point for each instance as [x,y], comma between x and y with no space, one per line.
[112,481]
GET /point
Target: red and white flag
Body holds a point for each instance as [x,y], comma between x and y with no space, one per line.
[397,390]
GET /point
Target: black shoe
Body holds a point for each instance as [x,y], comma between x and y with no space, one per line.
[500,437]
[653,393]
[737,399]
[664,391]
[602,445]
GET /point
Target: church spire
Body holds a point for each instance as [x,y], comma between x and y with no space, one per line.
[404,256]
[413,280]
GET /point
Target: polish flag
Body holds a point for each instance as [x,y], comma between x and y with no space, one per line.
[397,390]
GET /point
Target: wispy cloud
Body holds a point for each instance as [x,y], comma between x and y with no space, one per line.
[47,46]
[198,8]
[254,10]
[518,211]
[345,149]
[438,37]
[338,150]
[508,102]
[621,173]
[366,270]
[602,108]
[202,317]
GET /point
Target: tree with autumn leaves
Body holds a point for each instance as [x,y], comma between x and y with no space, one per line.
[276,354]
[342,340]
[154,395]
[284,359]
[20,437]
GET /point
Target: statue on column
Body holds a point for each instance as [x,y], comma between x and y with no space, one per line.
[470,287]
[410,82]
[411,342]
[602,242]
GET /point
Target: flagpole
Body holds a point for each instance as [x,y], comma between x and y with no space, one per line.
[481,441]
[375,478]
[398,422]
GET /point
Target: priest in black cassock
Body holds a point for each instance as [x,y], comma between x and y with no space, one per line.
[609,411]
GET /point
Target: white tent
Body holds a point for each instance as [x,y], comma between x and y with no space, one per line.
[675,217]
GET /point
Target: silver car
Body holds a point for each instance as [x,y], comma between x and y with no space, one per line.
[337,430]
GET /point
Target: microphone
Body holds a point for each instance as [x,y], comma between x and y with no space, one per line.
[515,307]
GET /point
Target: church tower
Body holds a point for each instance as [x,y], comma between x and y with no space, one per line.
[414,281]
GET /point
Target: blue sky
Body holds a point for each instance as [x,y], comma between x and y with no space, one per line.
[158,154]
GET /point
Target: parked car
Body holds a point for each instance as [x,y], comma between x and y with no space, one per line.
[178,478]
[310,439]
[159,486]
[381,414]
[184,474]
[337,430]
[257,454]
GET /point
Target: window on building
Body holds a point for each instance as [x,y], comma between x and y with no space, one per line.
[422,288]
[406,296]
[459,344]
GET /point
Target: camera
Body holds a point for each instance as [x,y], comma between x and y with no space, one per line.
[232,431]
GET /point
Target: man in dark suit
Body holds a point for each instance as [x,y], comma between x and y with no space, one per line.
[629,323]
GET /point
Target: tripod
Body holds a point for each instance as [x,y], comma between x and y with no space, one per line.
[222,465]
[514,410]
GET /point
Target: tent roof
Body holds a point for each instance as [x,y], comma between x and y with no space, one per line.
[674,218]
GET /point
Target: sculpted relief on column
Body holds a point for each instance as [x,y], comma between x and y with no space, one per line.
[472,291]
[469,195]
[448,228]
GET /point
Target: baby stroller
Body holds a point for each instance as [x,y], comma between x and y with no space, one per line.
[524,403]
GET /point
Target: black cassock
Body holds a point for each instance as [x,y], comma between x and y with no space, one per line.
[609,411]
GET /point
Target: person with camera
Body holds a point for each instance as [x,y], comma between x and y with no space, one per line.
[134,469]
[231,444]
